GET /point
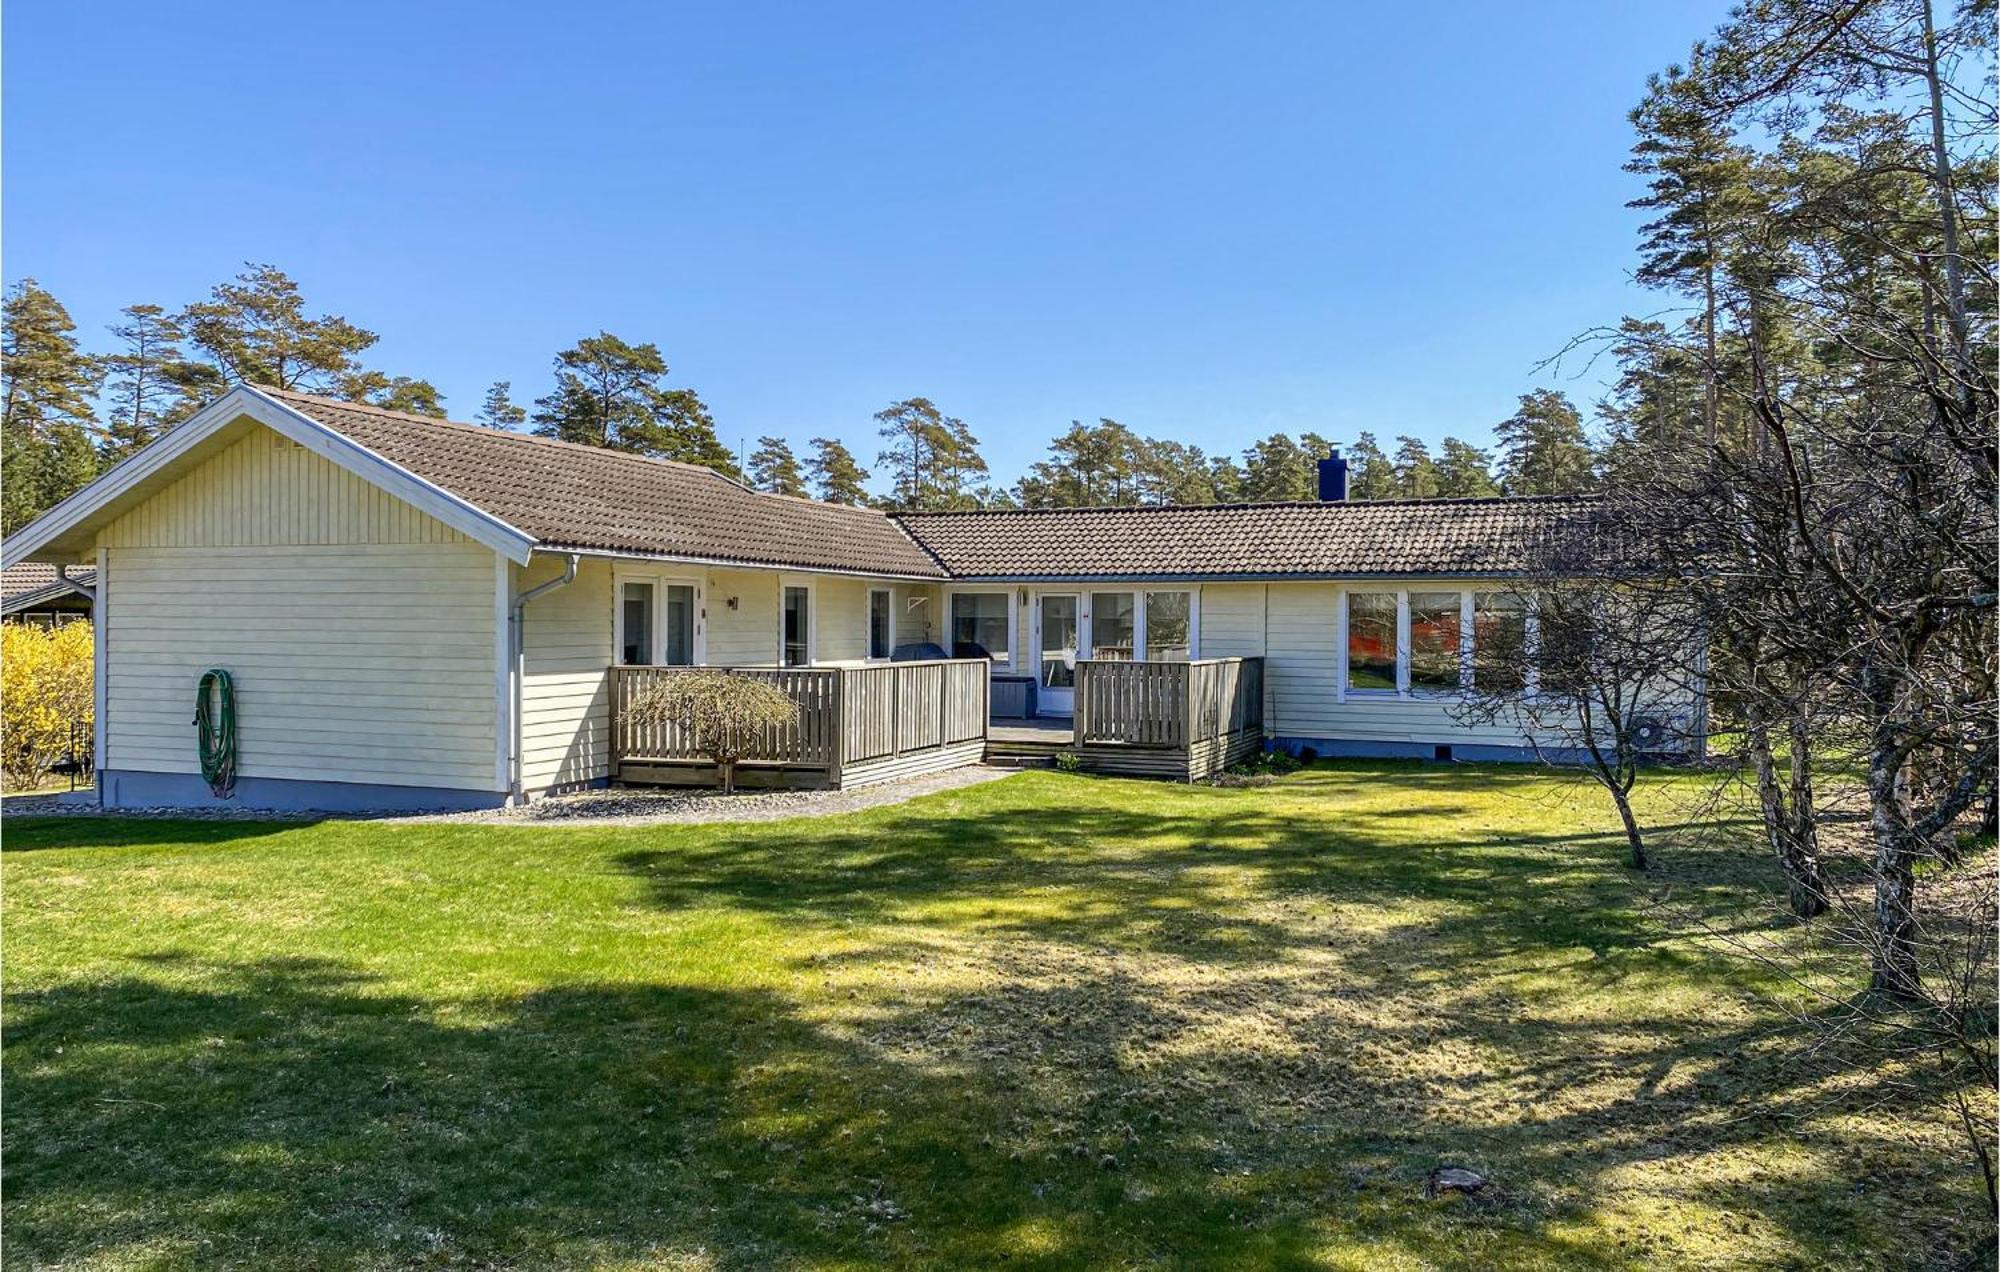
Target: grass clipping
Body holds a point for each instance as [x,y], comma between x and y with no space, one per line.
[718,715]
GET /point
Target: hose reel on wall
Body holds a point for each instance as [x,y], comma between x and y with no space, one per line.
[215,730]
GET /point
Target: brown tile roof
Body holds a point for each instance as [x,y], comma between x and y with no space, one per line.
[1358,538]
[33,576]
[570,496]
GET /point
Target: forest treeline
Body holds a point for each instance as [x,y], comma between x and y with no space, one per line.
[70,411]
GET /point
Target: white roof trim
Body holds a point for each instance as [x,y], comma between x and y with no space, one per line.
[328,443]
[47,592]
[741,564]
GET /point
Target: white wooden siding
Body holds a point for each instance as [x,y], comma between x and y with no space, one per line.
[916,623]
[360,633]
[1296,627]
[840,619]
[746,636]
[352,663]
[566,652]
[266,490]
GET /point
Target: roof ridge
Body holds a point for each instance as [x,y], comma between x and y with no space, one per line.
[369,408]
[1251,505]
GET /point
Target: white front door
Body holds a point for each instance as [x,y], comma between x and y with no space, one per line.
[1056,651]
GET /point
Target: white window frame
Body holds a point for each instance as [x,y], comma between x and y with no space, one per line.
[1009,665]
[1086,620]
[1342,690]
[1193,593]
[868,624]
[661,581]
[804,582]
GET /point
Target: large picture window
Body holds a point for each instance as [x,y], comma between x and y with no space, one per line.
[1432,655]
[980,618]
[1371,641]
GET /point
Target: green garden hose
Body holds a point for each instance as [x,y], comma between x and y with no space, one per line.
[215,726]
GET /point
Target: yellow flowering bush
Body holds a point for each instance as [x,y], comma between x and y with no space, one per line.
[45,685]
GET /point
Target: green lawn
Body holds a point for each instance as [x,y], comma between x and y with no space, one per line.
[1049,1021]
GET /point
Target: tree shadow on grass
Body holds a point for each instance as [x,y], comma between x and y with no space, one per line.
[1163,876]
[34,834]
[291,1113]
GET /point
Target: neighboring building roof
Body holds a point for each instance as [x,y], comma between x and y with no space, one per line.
[586,497]
[32,583]
[1269,540]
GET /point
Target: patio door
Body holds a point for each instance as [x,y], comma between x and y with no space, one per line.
[1056,651]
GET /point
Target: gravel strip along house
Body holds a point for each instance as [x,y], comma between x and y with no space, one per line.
[424,614]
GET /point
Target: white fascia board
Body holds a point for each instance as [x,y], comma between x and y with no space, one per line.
[331,445]
[735,564]
[54,591]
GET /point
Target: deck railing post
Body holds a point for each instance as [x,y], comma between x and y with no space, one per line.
[838,756]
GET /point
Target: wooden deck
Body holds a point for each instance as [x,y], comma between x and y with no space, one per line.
[1181,720]
[856,725]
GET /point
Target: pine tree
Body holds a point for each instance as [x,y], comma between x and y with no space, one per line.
[1698,186]
[1543,447]
[836,474]
[602,393]
[46,420]
[499,409]
[1416,472]
[1278,468]
[961,467]
[608,393]
[682,429]
[151,385]
[775,469]
[1092,465]
[1370,475]
[934,457]
[1464,471]
[1169,472]
[254,329]
[1226,479]
[394,393]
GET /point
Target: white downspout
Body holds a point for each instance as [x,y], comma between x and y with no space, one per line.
[518,647]
[88,589]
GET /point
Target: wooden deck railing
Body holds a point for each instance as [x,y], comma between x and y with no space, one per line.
[1201,712]
[851,719]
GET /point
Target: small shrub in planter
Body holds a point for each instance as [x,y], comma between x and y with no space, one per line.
[720,714]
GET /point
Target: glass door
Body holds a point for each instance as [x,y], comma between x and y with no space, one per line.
[1057,653]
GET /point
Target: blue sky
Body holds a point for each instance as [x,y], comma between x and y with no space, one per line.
[1209,222]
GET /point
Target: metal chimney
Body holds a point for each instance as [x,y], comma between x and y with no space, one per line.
[1333,477]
